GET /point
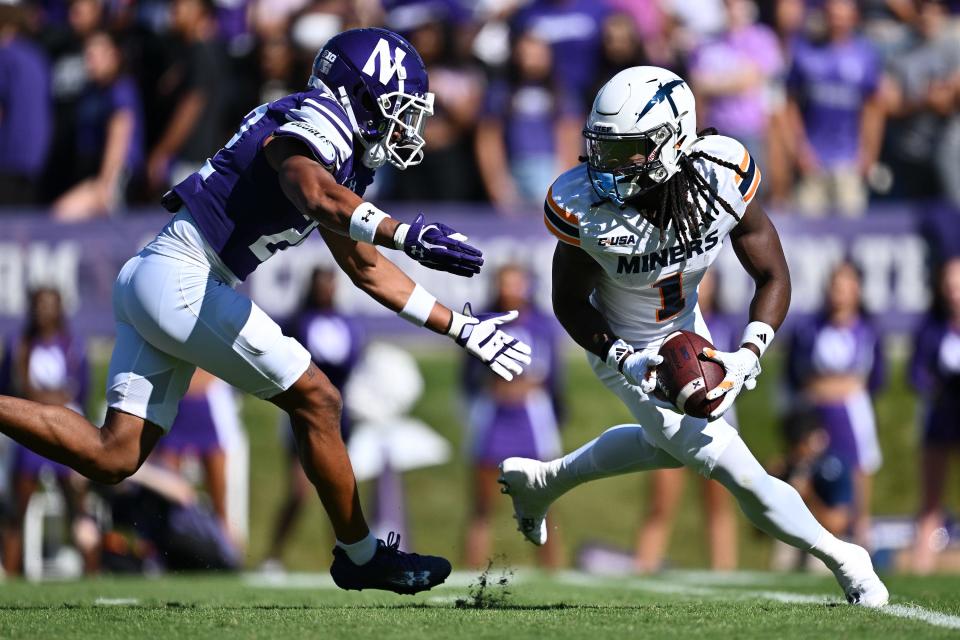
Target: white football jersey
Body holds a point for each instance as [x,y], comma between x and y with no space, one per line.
[649,287]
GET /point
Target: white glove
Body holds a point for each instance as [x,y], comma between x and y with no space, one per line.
[742,368]
[480,337]
[638,367]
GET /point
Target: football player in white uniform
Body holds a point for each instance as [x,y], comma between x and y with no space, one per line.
[638,224]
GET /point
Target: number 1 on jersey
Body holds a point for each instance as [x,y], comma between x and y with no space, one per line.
[672,301]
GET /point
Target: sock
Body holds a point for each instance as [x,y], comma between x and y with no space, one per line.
[360,552]
[829,549]
[770,504]
[618,450]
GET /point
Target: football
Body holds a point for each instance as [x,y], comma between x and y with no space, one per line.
[686,374]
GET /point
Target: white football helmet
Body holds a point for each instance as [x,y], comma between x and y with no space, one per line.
[642,122]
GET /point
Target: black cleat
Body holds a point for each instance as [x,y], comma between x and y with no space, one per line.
[390,569]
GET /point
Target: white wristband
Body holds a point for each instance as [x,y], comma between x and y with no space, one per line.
[418,307]
[364,222]
[759,334]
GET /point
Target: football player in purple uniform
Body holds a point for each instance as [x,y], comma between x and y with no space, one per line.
[294,165]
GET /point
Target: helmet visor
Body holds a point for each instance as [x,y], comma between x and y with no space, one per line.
[626,165]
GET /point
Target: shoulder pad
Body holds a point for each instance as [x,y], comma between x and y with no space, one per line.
[731,151]
[567,199]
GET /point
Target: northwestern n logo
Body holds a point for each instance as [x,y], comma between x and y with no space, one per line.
[387,67]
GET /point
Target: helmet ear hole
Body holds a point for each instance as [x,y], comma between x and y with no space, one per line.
[366,100]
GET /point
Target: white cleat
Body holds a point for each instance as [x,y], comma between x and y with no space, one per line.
[860,583]
[523,480]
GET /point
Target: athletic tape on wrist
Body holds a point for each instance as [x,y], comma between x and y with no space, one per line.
[400,235]
[364,222]
[759,334]
[418,307]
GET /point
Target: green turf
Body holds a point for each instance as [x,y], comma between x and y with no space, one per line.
[676,605]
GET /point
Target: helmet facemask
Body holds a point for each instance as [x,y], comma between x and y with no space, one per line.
[400,139]
[624,166]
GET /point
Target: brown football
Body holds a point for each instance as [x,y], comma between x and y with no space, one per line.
[686,374]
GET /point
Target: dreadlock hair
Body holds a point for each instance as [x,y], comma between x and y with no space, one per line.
[680,200]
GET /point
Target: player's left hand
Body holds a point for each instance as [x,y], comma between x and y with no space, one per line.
[437,246]
[480,336]
[742,367]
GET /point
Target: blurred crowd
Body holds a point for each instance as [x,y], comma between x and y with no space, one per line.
[106,103]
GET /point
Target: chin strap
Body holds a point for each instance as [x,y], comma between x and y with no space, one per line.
[374,155]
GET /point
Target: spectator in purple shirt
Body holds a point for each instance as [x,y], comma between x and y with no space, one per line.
[529,131]
[109,134]
[836,366]
[732,75]
[46,364]
[935,374]
[666,487]
[519,418]
[836,115]
[572,28]
[25,118]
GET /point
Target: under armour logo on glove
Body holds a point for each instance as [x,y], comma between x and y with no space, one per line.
[437,246]
[481,337]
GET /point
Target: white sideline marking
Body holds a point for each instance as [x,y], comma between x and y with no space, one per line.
[914,612]
[116,602]
[907,611]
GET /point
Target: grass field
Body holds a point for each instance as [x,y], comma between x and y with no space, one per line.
[565,605]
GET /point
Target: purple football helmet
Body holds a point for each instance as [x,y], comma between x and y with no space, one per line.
[382,83]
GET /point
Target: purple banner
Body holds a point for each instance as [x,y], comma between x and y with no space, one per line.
[82,261]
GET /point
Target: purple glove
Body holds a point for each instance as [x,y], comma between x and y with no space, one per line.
[439,247]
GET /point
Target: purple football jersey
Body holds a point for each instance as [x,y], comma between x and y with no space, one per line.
[235,198]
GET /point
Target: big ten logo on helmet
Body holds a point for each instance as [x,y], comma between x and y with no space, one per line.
[327,58]
[387,67]
[669,256]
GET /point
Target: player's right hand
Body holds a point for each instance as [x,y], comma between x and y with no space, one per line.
[437,246]
[480,336]
[638,367]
